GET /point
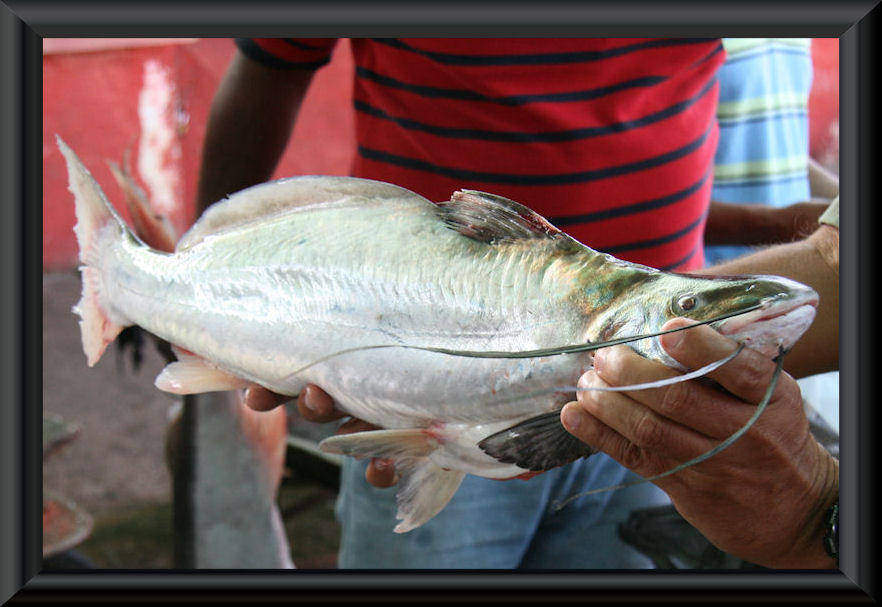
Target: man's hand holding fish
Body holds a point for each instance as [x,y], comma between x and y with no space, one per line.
[765,497]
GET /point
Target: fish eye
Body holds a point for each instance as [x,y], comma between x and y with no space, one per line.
[687,302]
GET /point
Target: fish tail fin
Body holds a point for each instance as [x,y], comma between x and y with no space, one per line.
[97,224]
[424,488]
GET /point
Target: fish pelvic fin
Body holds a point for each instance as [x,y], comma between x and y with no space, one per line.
[539,443]
[424,487]
[97,223]
[194,375]
[390,444]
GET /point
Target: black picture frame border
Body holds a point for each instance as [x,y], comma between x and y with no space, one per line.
[24,24]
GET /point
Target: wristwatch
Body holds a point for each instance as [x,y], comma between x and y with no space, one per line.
[831,533]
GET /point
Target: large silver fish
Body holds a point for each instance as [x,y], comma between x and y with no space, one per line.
[287,282]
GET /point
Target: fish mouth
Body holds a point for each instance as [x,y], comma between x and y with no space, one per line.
[776,325]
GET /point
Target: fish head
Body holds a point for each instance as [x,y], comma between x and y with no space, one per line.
[766,313]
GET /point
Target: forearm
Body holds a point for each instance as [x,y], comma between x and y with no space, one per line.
[815,262]
[731,223]
[744,224]
[251,119]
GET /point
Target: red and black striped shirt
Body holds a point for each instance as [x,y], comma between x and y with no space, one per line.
[611,139]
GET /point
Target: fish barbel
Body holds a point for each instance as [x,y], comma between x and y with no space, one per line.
[350,283]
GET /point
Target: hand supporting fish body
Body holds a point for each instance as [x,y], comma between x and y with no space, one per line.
[299,280]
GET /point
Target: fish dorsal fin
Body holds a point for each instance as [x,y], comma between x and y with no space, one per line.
[539,443]
[286,195]
[494,219]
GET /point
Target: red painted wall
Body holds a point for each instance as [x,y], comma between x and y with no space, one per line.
[824,103]
[91,91]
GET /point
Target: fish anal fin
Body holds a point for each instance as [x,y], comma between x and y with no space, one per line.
[425,488]
[194,375]
[493,219]
[538,443]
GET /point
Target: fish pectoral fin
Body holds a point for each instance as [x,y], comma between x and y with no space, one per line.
[539,443]
[194,375]
[393,444]
[425,488]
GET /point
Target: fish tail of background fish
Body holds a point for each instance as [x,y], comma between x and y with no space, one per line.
[98,227]
[151,227]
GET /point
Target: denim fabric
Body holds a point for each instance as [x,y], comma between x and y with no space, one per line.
[499,524]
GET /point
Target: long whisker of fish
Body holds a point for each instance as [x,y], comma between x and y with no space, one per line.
[568,349]
[642,386]
[779,360]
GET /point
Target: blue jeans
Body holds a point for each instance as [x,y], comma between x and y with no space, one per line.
[499,524]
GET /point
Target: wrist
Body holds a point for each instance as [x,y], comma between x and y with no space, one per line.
[825,240]
[809,550]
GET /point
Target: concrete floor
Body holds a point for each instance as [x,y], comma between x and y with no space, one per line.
[118,458]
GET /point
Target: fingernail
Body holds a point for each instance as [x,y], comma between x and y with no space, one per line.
[586,381]
[599,360]
[254,399]
[571,418]
[306,396]
[672,341]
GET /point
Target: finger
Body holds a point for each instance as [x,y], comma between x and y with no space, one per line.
[521,477]
[638,423]
[355,425]
[260,399]
[703,408]
[601,437]
[315,405]
[381,473]
[747,376]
